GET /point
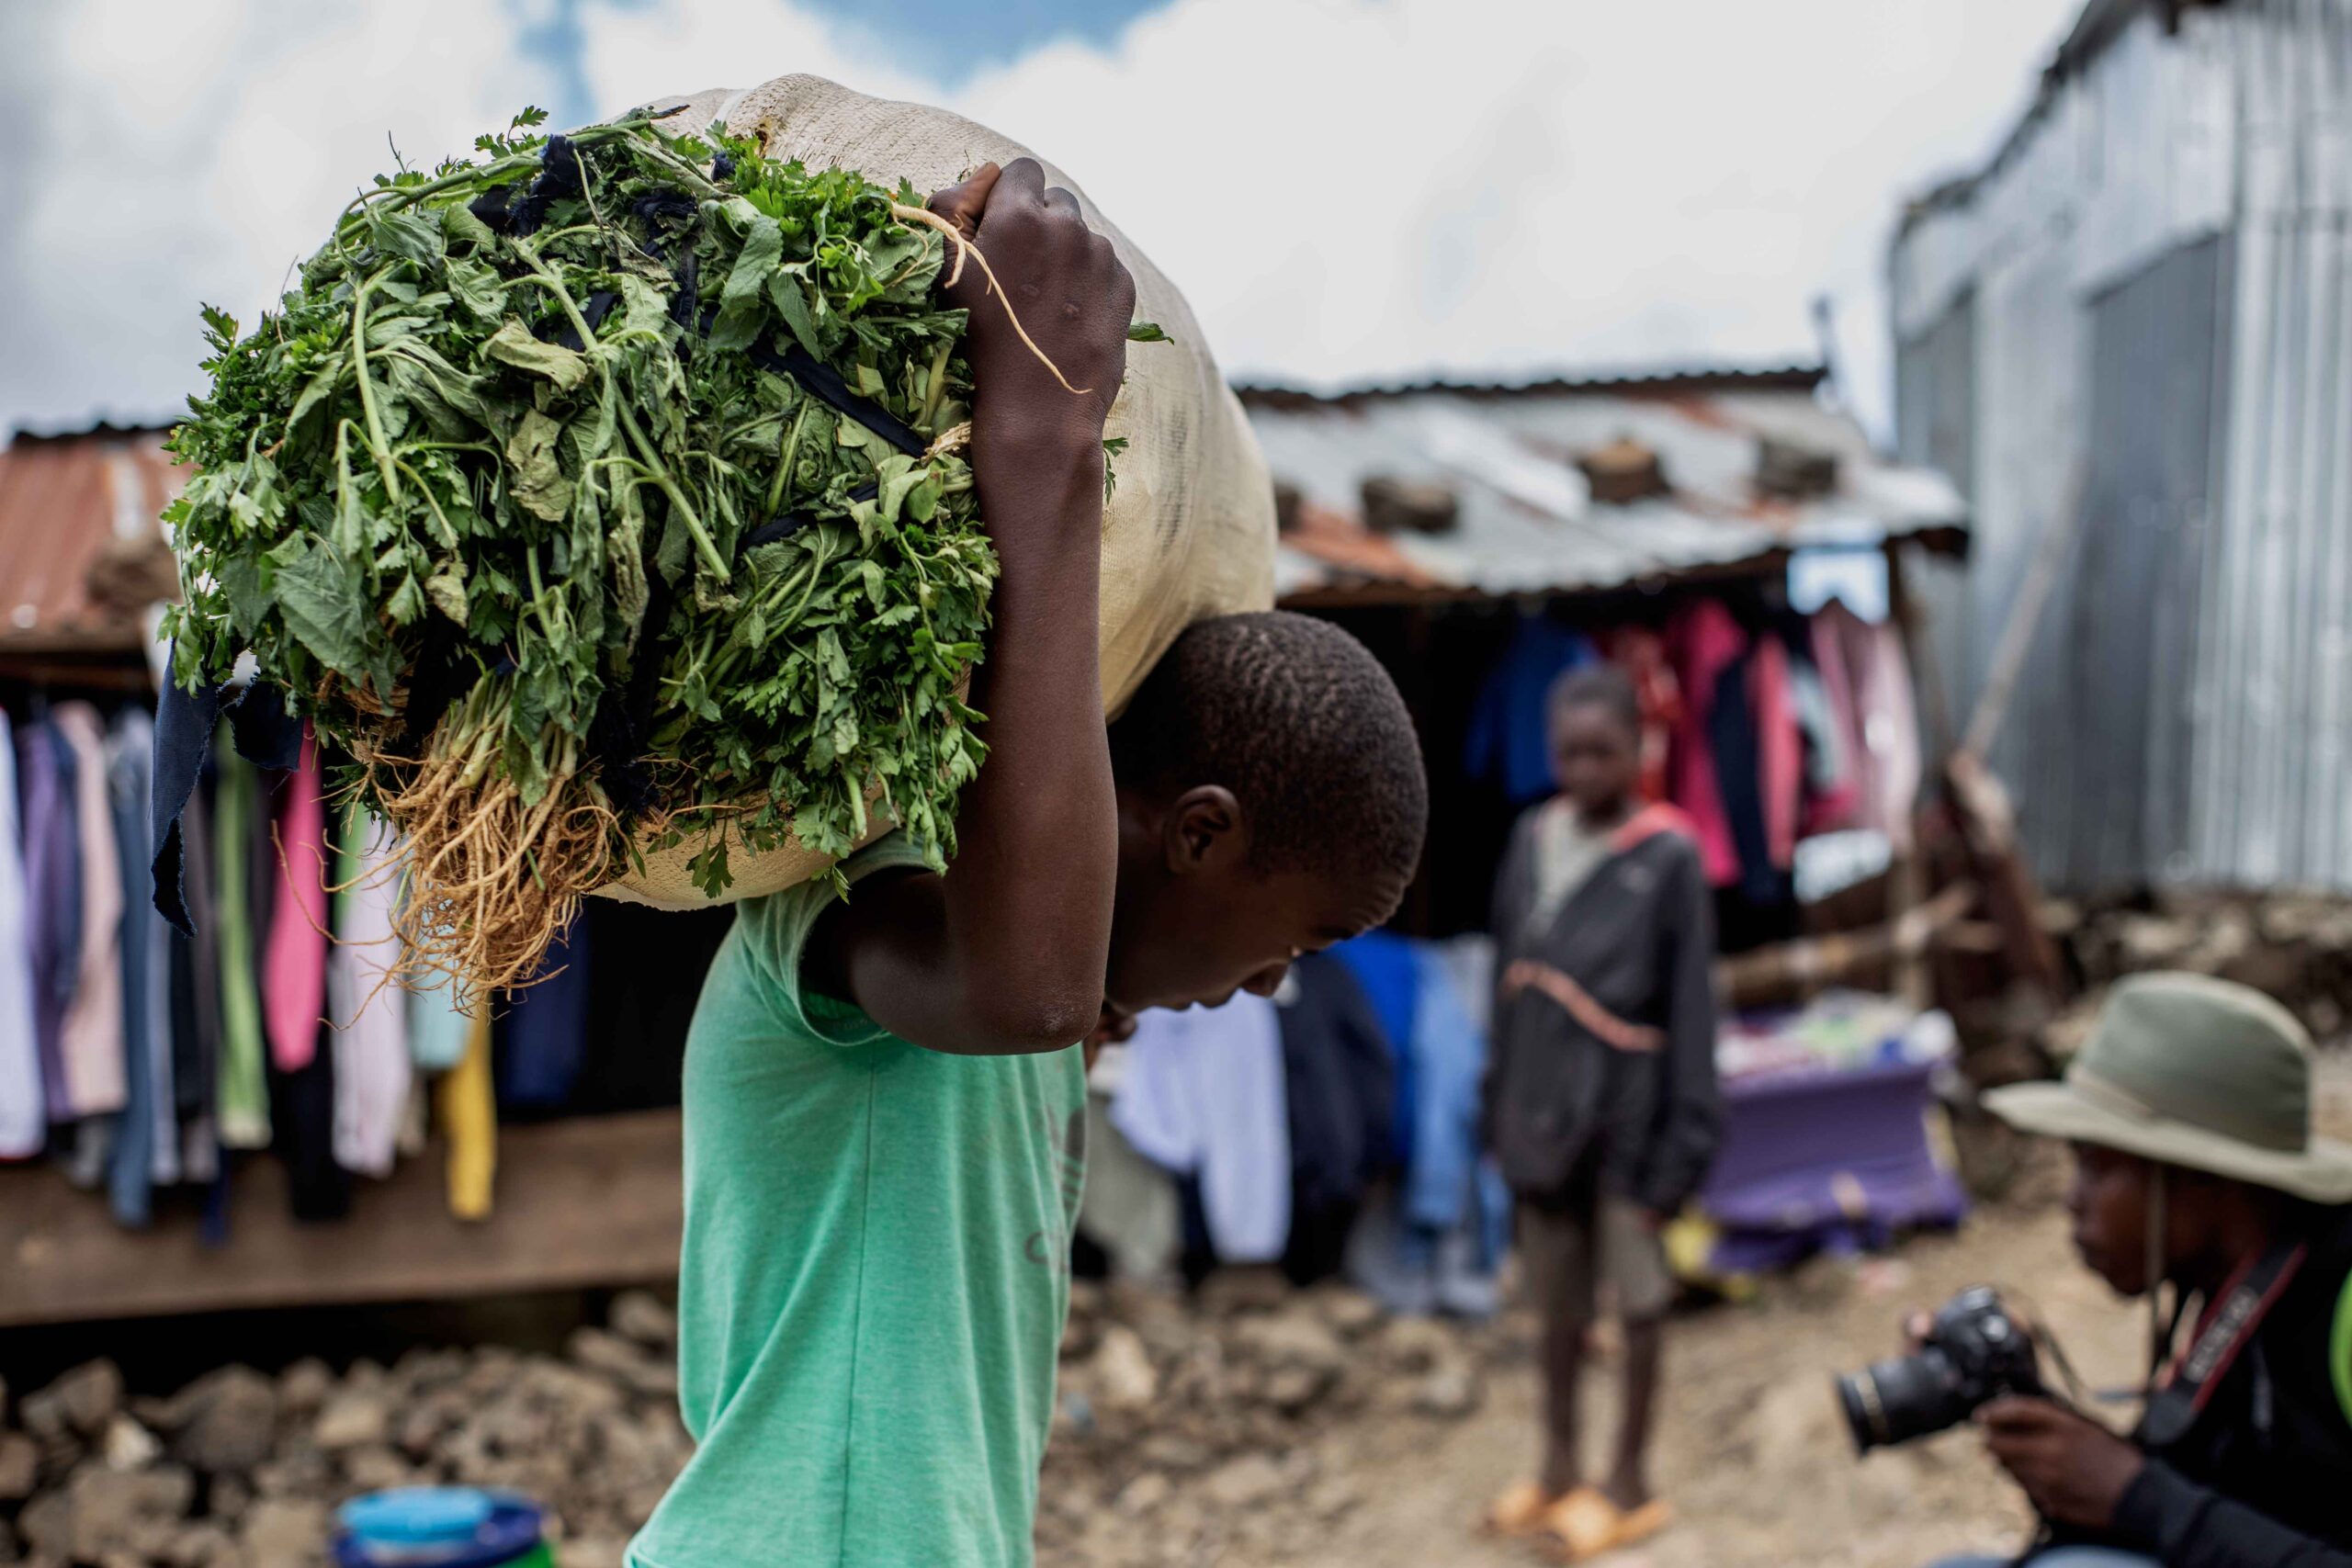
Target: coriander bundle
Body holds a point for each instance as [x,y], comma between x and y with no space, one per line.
[599,494]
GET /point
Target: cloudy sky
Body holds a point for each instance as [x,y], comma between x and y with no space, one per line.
[1346,189]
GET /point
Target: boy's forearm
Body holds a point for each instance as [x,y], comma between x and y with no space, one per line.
[1007,952]
[1029,897]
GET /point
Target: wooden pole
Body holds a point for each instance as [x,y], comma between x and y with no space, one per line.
[1907,881]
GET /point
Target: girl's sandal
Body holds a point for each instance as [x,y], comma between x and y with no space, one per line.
[1584,1524]
[1519,1512]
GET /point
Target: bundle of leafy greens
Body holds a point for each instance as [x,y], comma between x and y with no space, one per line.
[602,491]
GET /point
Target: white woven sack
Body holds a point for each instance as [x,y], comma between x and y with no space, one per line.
[1189,532]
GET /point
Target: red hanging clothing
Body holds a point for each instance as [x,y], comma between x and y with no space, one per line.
[294,964]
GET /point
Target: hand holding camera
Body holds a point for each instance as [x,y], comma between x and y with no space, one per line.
[1973,1359]
[1971,1352]
[2072,1470]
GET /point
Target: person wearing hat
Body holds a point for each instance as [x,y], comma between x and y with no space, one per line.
[2196,1168]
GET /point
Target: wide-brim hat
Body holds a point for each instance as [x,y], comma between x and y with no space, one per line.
[2196,1072]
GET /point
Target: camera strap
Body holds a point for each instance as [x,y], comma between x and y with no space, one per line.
[2228,1324]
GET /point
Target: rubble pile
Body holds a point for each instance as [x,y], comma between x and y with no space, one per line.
[242,1470]
[1185,1429]
[2297,946]
[1176,1422]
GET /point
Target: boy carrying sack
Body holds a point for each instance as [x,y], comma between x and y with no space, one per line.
[885,1096]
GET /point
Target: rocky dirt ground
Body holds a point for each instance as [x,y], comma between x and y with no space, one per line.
[1252,1427]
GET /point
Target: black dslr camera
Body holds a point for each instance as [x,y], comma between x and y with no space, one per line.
[1975,1352]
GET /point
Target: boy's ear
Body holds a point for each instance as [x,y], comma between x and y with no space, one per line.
[1203,828]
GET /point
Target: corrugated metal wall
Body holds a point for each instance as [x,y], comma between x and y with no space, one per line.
[2274,661]
[2129,606]
[2157,290]
[1936,425]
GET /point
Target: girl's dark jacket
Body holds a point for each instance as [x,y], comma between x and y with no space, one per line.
[1623,1083]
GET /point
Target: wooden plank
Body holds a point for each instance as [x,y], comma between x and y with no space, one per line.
[588,1203]
[1799,967]
[2012,900]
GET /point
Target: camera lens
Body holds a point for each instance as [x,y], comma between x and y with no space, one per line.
[1896,1401]
[1865,1416]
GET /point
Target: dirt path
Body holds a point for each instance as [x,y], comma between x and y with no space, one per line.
[1752,1451]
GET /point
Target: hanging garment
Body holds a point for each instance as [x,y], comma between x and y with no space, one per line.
[1128,1207]
[1435,1243]
[1412,1271]
[437,1031]
[1338,1083]
[145,1019]
[1449,1061]
[53,849]
[91,1042]
[1641,654]
[294,964]
[1739,781]
[1704,641]
[1202,1095]
[134,738]
[1383,964]
[1469,961]
[23,1117]
[637,1032]
[366,1009]
[1779,748]
[543,1035]
[242,1090]
[1828,787]
[1510,732]
[1866,663]
[301,1120]
[195,1000]
[470,1118]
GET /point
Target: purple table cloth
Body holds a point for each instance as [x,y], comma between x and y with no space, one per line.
[1832,1160]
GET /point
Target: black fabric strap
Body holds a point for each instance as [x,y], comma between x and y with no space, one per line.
[265,735]
[824,383]
[2175,1407]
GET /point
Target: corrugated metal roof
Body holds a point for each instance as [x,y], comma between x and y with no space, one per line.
[1507,450]
[64,500]
[2095,28]
[1526,522]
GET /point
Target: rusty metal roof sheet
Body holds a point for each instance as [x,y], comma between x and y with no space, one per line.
[64,500]
[1527,524]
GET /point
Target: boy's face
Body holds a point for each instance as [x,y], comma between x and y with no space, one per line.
[2108,1201]
[1595,758]
[1196,922]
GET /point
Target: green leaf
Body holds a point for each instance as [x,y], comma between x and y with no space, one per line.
[741,312]
[475,286]
[535,478]
[644,308]
[407,602]
[446,589]
[514,344]
[249,603]
[319,595]
[460,227]
[1147,331]
[785,291]
[409,235]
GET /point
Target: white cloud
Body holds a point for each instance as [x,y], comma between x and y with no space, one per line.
[1345,188]
[157,154]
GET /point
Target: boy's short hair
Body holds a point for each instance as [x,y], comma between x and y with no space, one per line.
[1301,723]
[1603,686]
